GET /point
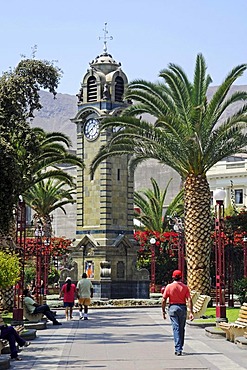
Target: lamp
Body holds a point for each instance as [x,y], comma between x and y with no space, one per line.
[152,242]
[219,196]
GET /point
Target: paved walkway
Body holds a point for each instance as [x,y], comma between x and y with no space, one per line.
[126,339]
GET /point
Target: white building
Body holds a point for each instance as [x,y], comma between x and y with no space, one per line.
[231,175]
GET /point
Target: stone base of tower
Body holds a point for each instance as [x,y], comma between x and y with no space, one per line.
[112,269]
[121,289]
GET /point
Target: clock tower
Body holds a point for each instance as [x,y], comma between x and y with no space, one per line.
[105,206]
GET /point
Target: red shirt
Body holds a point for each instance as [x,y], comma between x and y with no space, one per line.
[68,297]
[177,292]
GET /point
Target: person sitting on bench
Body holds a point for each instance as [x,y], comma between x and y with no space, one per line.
[10,334]
[34,307]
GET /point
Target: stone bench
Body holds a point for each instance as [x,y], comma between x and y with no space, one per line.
[3,343]
[238,327]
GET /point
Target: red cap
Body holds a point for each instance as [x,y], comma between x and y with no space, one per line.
[177,273]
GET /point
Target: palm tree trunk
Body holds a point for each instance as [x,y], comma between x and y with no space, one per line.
[198,224]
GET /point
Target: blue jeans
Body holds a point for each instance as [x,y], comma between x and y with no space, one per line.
[178,315]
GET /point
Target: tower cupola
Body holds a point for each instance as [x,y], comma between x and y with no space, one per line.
[104,83]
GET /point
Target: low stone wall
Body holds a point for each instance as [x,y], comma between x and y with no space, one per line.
[127,302]
[131,302]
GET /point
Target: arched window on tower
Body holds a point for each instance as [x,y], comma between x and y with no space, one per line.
[119,89]
[91,89]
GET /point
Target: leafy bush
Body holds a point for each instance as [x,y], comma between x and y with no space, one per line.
[9,270]
[53,275]
[30,272]
[240,288]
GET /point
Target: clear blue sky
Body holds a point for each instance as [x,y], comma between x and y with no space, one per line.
[147,35]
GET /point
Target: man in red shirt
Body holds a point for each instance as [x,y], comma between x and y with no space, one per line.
[178,294]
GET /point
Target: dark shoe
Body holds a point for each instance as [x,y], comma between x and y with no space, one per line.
[16,358]
[81,317]
[85,318]
[57,323]
[27,344]
[178,353]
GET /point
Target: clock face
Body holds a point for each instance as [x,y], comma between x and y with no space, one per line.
[91,129]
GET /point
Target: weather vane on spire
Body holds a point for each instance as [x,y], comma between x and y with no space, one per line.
[105,37]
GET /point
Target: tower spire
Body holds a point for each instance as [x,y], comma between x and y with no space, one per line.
[105,37]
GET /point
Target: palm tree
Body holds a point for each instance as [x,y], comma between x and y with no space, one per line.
[190,135]
[52,151]
[46,196]
[151,203]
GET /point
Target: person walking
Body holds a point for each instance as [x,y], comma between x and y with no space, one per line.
[85,293]
[68,292]
[178,294]
[34,307]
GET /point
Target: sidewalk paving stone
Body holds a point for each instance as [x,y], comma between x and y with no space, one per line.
[126,339]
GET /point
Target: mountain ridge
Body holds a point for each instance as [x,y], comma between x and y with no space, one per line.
[56,114]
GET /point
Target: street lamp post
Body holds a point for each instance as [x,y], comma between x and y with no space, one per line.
[245,256]
[219,196]
[178,227]
[46,265]
[152,242]
[39,241]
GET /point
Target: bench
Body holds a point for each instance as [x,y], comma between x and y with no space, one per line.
[194,296]
[3,343]
[200,305]
[32,317]
[238,327]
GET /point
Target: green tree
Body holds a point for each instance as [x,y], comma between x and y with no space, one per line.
[19,98]
[46,196]
[53,151]
[27,155]
[151,204]
[190,135]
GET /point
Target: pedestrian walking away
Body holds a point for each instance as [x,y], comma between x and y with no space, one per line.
[178,295]
[68,292]
[34,307]
[10,334]
[84,293]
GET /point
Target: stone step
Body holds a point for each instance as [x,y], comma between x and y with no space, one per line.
[215,332]
[4,362]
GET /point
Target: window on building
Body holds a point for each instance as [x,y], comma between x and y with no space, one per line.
[119,89]
[91,89]
[239,196]
[120,270]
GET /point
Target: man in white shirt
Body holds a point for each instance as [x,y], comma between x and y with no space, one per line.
[85,293]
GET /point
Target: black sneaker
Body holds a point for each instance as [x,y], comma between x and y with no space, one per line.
[57,323]
[177,353]
[85,318]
